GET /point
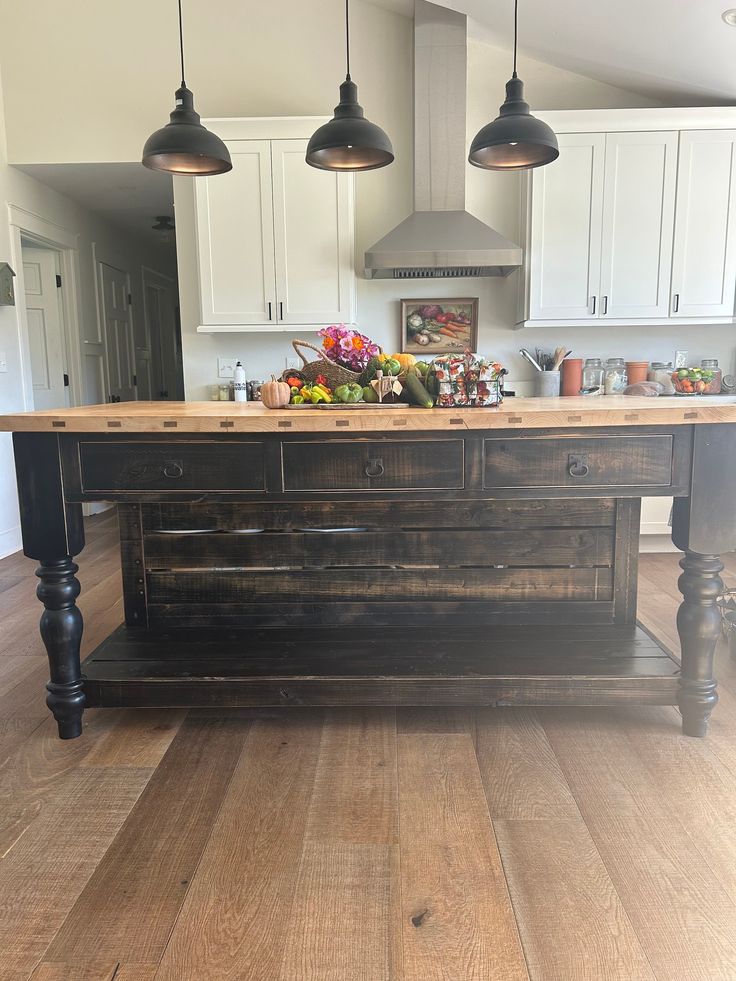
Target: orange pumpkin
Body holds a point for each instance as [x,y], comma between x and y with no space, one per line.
[275,394]
[405,360]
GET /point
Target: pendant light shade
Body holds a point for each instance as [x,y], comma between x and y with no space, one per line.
[515,140]
[349,141]
[184,145]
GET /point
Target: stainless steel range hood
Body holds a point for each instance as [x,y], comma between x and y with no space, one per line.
[440,239]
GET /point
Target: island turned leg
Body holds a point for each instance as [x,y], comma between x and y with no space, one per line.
[52,533]
[61,632]
[699,627]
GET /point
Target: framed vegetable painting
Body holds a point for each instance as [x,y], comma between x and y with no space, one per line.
[439,326]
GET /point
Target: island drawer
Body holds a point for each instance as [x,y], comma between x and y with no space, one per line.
[579,461]
[373,465]
[114,467]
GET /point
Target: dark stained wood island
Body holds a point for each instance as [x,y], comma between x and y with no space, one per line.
[338,557]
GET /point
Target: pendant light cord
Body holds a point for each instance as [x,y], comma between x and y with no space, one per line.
[516,31]
[181,46]
[347,37]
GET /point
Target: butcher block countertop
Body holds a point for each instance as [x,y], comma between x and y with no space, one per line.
[515,413]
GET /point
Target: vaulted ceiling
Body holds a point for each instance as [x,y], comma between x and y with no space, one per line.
[677,51]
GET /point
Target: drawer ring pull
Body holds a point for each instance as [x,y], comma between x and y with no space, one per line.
[374,468]
[173,470]
[578,466]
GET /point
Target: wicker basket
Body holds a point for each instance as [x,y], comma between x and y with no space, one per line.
[334,373]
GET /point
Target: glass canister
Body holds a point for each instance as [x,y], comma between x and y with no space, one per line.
[592,374]
[661,371]
[614,379]
[713,387]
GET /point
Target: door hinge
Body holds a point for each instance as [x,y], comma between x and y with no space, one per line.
[66,380]
[58,281]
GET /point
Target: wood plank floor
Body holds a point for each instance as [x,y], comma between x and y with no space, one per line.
[358,844]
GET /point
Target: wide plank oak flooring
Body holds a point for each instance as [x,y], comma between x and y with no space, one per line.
[558,844]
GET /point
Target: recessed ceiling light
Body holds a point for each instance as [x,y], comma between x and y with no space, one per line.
[729,17]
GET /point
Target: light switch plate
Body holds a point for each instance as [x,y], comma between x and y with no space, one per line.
[3,361]
[226,367]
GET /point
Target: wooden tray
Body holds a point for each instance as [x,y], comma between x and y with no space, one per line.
[351,405]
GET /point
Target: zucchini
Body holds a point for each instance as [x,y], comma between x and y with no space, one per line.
[415,391]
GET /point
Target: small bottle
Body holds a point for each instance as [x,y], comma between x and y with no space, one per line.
[239,385]
[714,385]
[615,380]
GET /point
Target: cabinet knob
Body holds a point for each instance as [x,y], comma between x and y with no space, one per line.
[173,470]
[374,468]
[577,465]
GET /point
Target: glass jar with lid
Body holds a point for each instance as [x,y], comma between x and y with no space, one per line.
[661,371]
[713,387]
[592,375]
[614,379]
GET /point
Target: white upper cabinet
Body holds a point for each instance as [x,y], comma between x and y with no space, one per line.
[704,253]
[275,238]
[638,219]
[237,266]
[313,232]
[635,222]
[565,245]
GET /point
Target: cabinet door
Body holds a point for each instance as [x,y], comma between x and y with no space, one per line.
[235,239]
[567,207]
[638,220]
[704,252]
[313,231]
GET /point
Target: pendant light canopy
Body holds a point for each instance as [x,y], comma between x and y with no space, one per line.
[349,142]
[515,140]
[184,145]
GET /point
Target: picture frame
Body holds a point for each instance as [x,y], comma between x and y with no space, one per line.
[449,325]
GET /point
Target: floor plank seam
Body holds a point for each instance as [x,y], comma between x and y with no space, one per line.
[397,789]
[492,828]
[206,841]
[602,860]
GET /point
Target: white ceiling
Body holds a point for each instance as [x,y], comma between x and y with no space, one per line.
[676,51]
[125,194]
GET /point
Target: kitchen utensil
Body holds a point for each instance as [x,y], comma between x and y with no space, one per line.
[528,357]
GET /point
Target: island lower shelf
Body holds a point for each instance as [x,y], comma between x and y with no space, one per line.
[505,665]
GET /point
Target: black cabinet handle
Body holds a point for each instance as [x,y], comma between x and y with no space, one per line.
[374,468]
[577,465]
[281,310]
[173,470]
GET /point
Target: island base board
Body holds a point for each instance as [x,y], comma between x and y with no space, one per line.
[545,665]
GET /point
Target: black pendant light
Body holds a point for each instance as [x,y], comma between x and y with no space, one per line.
[184,145]
[515,140]
[349,141]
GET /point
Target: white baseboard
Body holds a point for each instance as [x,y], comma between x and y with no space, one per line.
[10,541]
[657,543]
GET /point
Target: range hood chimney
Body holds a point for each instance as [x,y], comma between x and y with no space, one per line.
[440,238]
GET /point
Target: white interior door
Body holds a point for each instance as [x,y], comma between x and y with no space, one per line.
[565,247]
[704,252]
[45,329]
[638,220]
[117,330]
[235,239]
[313,233]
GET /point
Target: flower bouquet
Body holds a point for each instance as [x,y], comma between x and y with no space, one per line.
[344,355]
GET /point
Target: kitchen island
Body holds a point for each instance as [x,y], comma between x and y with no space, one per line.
[379,556]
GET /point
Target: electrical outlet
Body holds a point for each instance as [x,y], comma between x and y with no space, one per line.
[3,361]
[292,364]
[226,367]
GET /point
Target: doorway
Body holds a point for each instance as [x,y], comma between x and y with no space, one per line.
[117,331]
[47,348]
[163,333]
